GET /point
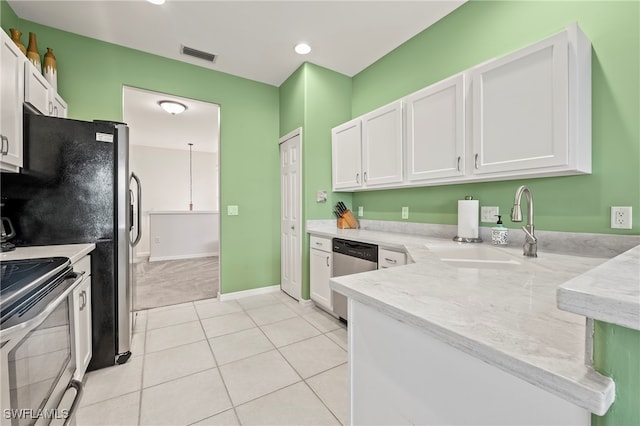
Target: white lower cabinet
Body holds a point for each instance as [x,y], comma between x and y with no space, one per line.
[82,318]
[390,258]
[320,271]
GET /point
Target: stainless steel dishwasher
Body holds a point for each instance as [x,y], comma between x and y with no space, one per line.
[350,257]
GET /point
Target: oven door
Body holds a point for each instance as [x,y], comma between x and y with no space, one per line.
[38,359]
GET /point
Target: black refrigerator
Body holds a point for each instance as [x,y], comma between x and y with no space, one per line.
[75,187]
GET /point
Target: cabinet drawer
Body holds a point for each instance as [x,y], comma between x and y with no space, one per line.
[324,244]
[390,258]
[83,264]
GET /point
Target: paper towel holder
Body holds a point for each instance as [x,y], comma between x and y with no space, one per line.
[467,239]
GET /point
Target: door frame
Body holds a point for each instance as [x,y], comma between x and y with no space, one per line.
[288,136]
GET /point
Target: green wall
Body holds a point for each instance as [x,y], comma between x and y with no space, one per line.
[315,99]
[617,355]
[481,30]
[91,74]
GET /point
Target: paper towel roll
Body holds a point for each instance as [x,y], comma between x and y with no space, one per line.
[468,218]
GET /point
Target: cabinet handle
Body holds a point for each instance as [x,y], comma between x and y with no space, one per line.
[391,260]
[357,177]
[4,150]
[293,227]
[365,177]
[458,167]
[476,161]
[81,300]
[55,111]
[318,243]
[328,262]
[50,108]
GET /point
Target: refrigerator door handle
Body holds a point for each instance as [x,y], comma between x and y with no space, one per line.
[139,215]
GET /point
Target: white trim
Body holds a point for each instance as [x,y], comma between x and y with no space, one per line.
[291,134]
[247,293]
[306,302]
[182,256]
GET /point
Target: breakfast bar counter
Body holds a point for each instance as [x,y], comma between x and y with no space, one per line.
[504,315]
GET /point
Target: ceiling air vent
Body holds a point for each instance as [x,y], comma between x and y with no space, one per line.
[210,57]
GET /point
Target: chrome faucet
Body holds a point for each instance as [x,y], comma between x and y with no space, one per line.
[530,247]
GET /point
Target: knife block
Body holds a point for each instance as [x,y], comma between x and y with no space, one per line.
[347,221]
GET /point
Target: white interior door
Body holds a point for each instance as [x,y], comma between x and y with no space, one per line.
[290,213]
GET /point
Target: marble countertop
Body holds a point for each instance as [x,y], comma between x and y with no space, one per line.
[73,251]
[610,292]
[507,317]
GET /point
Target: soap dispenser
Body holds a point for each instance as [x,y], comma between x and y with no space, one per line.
[499,233]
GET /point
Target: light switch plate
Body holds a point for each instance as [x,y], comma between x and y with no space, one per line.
[321,197]
[489,214]
[405,212]
[232,210]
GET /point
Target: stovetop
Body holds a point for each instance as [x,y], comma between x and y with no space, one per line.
[22,277]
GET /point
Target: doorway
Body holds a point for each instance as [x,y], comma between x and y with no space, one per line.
[176,156]
[291,213]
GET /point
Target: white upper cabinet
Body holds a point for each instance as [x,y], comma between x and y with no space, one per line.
[41,95]
[532,110]
[382,146]
[435,131]
[524,115]
[11,98]
[346,141]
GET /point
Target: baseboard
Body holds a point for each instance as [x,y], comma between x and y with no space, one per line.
[182,256]
[306,302]
[247,293]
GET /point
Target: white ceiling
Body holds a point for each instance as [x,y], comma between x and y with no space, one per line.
[253,39]
[150,125]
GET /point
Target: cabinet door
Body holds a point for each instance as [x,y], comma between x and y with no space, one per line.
[59,105]
[382,145]
[36,89]
[82,327]
[390,258]
[435,130]
[11,97]
[347,155]
[320,273]
[520,109]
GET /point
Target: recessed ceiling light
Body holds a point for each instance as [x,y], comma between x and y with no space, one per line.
[302,48]
[156,1]
[172,107]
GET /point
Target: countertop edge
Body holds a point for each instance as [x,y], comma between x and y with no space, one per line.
[73,251]
[596,395]
[585,295]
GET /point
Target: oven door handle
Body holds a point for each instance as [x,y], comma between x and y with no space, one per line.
[34,320]
[74,387]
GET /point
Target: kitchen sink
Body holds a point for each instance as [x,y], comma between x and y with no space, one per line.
[473,256]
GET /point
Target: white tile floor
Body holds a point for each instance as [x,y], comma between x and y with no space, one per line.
[261,360]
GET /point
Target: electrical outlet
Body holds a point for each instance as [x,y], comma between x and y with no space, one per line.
[360,211]
[232,210]
[489,214]
[621,217]
[405,212]
[156,240]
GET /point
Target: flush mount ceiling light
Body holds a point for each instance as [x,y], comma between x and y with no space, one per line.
[302,48]
[173,107]
[156,1]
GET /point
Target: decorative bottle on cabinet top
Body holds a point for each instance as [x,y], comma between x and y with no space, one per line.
[15,37]
[50,69]
[32,52]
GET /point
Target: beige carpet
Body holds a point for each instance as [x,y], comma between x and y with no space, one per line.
[175,281]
